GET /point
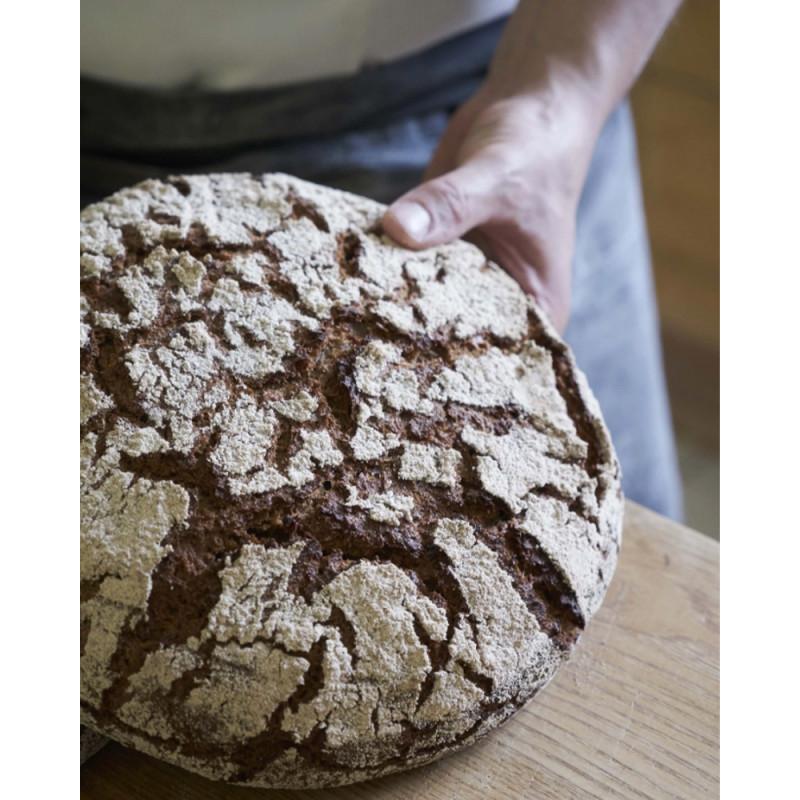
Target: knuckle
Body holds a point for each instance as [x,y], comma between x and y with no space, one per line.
[450,202]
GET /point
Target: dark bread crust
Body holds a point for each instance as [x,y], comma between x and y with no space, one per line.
[344,513]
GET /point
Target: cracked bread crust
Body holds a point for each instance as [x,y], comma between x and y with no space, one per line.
[345,507]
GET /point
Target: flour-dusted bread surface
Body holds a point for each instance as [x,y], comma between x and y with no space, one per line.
[345,507]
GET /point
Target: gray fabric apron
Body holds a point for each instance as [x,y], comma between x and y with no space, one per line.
[373,133]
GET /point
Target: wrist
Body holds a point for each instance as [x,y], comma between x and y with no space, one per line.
[562,90]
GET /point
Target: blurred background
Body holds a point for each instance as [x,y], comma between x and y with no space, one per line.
[676,105]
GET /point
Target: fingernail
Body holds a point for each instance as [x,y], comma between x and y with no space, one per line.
[414,219]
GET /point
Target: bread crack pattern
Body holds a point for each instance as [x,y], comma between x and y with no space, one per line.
[345,507]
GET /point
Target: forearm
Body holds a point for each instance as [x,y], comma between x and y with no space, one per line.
[588,50]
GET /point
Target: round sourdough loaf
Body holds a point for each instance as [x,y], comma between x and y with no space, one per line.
[345,507]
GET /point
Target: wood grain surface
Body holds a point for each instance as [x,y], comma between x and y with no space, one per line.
[634,714]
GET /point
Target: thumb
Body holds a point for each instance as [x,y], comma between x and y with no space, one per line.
[444,208]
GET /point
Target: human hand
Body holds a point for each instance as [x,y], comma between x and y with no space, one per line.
[511,164]
[508,171]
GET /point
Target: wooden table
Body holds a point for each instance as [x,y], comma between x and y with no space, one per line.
[634,714]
